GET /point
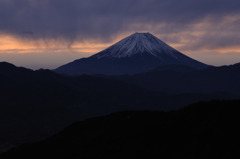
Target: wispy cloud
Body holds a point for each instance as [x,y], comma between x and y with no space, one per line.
[188,25]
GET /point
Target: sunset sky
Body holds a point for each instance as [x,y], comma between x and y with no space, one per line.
[49,33]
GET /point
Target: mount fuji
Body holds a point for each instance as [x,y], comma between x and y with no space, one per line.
[139,52]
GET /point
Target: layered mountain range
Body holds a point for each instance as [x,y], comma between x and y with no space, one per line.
[138,73]
[36,104]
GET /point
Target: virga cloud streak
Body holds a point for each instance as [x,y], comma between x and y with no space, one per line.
[187,24]
[103,19]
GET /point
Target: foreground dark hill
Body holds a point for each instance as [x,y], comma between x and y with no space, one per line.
[36,104]
[184,79]
[137,53]
[203,130]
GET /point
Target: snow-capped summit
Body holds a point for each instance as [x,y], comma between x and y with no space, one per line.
[135,44]
[139,52]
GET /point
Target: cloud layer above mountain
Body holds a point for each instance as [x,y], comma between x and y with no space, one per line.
[188,24]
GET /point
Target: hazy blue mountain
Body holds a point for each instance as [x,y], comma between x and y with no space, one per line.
[137,53]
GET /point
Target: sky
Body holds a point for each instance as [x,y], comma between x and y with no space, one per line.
[49,33]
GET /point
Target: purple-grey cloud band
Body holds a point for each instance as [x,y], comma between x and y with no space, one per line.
[103,19]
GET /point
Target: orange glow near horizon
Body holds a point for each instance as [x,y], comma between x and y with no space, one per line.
[10,44]
[188,40]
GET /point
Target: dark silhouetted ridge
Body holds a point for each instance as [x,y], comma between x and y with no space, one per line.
[203,130]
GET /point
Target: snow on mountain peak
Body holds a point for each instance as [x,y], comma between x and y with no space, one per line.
[139,52]
[137,43]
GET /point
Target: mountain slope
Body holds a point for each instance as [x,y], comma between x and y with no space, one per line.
[203,130]
[137,53]
[182,79]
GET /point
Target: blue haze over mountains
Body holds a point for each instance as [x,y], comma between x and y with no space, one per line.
[138,73]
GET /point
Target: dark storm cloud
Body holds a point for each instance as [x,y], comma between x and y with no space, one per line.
[79,20]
